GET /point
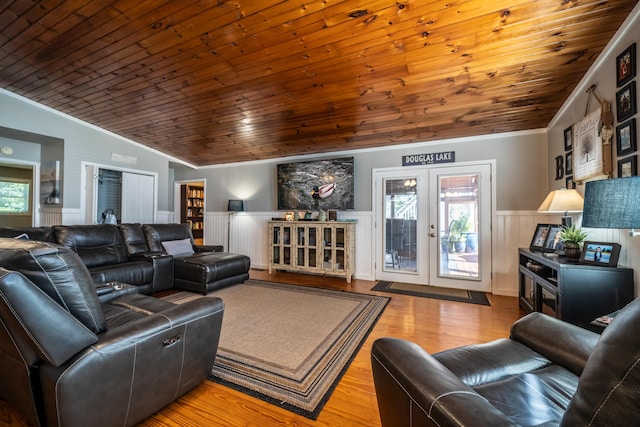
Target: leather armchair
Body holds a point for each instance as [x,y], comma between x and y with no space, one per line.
[71,358]
[547,373]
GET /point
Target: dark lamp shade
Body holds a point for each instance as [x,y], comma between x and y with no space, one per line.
[235,206]
[612,203]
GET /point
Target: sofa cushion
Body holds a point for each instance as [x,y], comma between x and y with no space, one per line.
[178,247]
[158,233]
[60,273]
[97,244]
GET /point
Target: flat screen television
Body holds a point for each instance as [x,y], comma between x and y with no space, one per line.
[314,184]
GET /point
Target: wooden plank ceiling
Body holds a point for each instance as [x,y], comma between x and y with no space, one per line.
[214,81]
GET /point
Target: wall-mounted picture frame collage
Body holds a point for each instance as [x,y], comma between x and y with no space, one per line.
[626,108]
[568,158]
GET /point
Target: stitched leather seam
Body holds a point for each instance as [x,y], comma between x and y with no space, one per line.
[404,389]
[606,399]
[133,376]
[24,327]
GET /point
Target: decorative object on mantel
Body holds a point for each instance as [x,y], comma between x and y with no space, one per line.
[612,203]
[562,201]
[322,214]
[592,141]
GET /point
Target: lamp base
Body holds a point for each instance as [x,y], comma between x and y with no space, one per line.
[566,221]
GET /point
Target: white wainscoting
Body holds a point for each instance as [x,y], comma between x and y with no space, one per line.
[512,230]
[248,235]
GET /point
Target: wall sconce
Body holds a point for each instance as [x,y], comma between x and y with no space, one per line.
[562,201]
[612,203]
[232,207]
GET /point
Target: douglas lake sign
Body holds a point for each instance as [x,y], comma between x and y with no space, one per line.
[429,159]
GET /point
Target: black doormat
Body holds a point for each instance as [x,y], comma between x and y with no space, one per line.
[459,295]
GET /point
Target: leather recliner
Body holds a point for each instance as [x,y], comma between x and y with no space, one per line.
[102,249]
[548,372]
[69,357]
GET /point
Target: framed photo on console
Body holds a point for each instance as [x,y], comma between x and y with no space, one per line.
[539,237]
[600,253]
[553,242]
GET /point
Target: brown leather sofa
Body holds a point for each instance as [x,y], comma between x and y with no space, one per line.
[71,358]
[547,373]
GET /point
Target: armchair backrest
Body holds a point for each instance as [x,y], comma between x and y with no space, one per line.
[96,244]
[158,233]
[607,392]
[58,272]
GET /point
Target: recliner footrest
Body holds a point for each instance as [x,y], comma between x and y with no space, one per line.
[206,271]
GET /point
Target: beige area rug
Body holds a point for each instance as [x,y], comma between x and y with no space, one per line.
[435,292]
[289,345]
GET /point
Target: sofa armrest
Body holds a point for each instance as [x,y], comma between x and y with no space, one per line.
[413,387]
[561,342]
[53,333]
[111,290]
[146,255]
[208,248]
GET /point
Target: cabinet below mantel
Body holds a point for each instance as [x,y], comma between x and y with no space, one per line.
[316,247]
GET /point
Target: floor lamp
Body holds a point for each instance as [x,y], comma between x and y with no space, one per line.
[232,207]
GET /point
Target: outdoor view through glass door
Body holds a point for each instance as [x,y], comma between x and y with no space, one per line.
[434,226]
[460,227]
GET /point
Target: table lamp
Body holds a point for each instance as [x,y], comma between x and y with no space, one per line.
[562,201]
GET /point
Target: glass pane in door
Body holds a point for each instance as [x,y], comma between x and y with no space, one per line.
[458,223]
[401,214]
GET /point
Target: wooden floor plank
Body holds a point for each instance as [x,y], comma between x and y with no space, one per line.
[434,324]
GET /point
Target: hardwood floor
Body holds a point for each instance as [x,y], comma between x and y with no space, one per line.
[434,324]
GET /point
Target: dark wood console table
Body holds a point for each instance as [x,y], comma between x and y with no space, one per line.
[576,293]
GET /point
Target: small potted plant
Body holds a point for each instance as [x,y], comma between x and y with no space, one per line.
[572,238]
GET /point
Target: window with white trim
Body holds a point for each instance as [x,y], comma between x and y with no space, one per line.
[14,196]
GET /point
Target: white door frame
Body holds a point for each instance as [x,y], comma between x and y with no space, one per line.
[378,206]
[88,207]
[35,186]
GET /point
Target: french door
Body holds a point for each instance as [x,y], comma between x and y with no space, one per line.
[433,226]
